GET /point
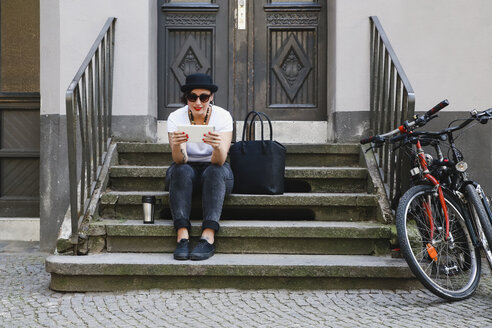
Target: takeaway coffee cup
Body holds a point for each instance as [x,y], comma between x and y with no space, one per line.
[148,203]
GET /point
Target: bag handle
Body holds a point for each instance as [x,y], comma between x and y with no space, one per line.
[259,114]
[246,123]
[253,119]
[251,124]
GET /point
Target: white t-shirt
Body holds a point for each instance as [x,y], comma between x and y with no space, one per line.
[220,118]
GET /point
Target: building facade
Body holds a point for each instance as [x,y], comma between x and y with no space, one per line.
[305,63]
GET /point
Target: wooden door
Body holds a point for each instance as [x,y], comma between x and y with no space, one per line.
[289,59]
[192,38]
[264,55]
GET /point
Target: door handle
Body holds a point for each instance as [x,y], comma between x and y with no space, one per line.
[241,14]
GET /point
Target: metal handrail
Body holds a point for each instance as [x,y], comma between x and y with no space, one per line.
[89,103]
[392,102]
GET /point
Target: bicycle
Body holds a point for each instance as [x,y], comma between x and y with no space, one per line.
[445,218]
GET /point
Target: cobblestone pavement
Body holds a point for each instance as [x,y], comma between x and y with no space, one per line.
[26,301]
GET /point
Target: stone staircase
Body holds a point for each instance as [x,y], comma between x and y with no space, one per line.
[327,231]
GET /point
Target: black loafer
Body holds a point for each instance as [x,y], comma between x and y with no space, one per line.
[182,251]
[202,251]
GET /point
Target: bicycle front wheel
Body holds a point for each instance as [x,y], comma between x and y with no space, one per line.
[448,266]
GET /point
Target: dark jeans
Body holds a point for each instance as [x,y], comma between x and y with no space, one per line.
[213,181]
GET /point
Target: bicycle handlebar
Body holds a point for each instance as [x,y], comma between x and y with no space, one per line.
[408,135]
[367,140]
[398,138]
[482,117]
[437,108]
[417,122]
[375,139]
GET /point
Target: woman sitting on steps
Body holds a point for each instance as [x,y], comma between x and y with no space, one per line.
[199,167]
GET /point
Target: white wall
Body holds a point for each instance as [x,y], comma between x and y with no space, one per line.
[69,31]
[444,46]
[50,56]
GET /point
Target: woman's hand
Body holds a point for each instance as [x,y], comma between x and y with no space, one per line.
[213,139]
[220,141]
[178,146]
[178,138]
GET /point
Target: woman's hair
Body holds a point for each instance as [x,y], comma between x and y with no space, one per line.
[183,97]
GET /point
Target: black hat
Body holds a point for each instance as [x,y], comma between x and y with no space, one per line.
[199,81]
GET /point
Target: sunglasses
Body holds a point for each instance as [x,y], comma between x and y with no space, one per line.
[193,97]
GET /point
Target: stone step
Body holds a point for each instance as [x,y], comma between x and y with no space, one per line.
[297,154]
[268,237]
[125,271]
[289,206]
[297,179]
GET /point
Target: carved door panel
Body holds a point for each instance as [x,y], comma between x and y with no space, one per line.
[193,38]
[290,59]
[269,57]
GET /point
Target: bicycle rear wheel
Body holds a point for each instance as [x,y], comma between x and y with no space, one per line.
[476,202]
[448,267]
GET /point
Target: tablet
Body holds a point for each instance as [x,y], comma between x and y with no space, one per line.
[195,132]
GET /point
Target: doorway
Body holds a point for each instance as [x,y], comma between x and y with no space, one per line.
[264,55]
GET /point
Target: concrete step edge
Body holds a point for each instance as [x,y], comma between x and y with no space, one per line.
[260,265]
[247,228]
[135,171]
[287,199]
[332,148]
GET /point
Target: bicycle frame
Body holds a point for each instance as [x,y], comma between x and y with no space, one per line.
[457,157]
[458,184]
[427,176]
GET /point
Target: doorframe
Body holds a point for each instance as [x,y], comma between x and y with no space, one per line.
[328,134]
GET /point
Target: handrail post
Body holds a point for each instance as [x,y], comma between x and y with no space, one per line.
[72,163]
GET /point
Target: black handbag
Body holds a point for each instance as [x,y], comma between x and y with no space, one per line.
[258,165]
